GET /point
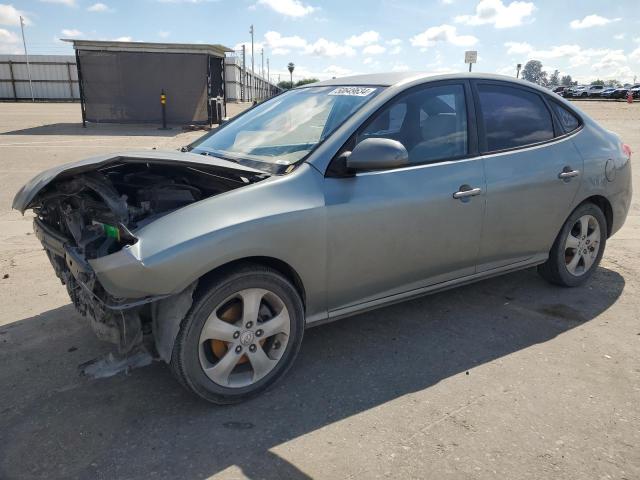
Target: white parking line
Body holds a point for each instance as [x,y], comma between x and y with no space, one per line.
[52,142]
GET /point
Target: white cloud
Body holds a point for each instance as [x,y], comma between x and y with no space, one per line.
[373,49]
[606,63]
[325,48]
[635,55]
[365,38]
[124,39]
[497,13]
[367,61]
[400,67]
[276,40]
[575,54]
[442,33]
[10,16]
[395,45]
[247,45]
[337,71]
[289,8]
[592,21]
[518,48]
[98,7]
[619,36]
[280,51]
[163,34]
[9,42]
[71,33]
[68,3]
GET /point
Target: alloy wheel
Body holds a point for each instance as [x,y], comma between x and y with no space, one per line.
[244,338]
[582,245]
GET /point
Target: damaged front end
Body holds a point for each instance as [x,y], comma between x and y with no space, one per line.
[89,212]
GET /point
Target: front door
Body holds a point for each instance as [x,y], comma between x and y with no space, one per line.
[397,230]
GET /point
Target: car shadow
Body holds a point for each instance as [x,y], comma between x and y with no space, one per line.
[102,129]
[54,424]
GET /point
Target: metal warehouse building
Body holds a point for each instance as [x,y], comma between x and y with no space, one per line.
[122,82]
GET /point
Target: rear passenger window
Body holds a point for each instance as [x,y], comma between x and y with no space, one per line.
[567,119]
[513,117]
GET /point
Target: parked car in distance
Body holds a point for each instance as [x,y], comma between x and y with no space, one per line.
[559,90]
[635,91]
[607,92]
[326,201]
[620,92]
[580,91]
[595,90]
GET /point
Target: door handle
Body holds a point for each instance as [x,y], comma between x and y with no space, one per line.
[469,192]
[567,173]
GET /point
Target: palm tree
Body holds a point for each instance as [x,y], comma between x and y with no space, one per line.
[291,67]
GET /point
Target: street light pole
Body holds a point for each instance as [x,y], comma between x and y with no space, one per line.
[26,54]
[262,62]
[243,74]
[253,72]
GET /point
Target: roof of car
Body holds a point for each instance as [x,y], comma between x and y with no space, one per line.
[394,78]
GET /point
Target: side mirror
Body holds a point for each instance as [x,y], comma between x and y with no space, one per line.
[377,154]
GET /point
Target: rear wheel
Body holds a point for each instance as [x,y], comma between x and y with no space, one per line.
[578,248]
[241,335]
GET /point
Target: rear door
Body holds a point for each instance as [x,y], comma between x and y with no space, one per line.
[532,170]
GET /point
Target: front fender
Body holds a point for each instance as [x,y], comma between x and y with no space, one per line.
[282,218]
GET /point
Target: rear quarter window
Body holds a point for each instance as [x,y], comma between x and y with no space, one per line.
[567,119]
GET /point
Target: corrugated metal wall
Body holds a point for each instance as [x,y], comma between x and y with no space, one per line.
[54,77]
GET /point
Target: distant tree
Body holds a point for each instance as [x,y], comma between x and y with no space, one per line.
[566,81]
[532,72]
[554,79]
[306,81]
[291,67]
[285,85]
[598,82]
[612,83]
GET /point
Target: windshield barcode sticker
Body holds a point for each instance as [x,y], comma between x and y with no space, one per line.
[353,91]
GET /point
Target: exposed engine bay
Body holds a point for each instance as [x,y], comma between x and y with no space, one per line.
[97,212]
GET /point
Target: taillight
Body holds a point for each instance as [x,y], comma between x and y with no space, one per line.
[627,150]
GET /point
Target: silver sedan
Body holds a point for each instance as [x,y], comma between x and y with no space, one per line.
[323,202]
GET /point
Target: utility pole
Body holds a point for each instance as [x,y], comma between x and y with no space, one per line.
[253,72]
[268,72]
[26,54]
[262,61]
[243,74]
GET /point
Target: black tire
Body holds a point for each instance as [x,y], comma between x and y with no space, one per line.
[554,270]
[185,361]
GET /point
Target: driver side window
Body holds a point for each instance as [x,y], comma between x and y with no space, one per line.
[430,122]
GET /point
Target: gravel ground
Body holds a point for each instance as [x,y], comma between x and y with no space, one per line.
[506,378]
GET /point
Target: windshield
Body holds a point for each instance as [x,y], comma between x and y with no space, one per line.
[283,130]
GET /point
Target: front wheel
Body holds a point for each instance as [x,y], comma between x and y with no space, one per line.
[578,248]
[241,335]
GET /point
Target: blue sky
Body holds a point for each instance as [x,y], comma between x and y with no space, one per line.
[586,39]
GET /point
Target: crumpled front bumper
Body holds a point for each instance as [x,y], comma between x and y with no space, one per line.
[84,274]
